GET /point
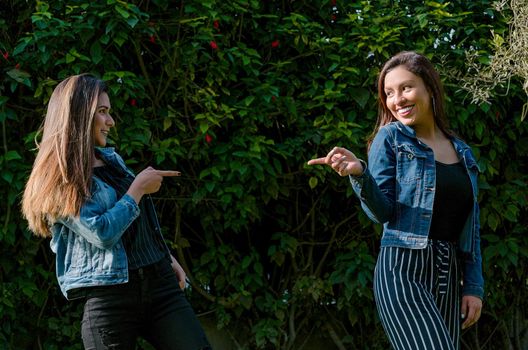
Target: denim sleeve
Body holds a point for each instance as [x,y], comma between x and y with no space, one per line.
[103,228]
[376,186]
[473,278]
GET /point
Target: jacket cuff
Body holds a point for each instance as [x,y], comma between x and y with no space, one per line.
[357,181]
[475,291]
[131,203]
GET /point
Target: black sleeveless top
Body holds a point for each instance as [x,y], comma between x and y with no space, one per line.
[452,203]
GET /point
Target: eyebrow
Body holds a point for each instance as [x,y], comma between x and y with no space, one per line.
[103,106]
[405,82]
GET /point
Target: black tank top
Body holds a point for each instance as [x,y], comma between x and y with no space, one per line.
[452,203]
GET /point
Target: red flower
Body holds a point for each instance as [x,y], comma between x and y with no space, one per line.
[216,24]
[334,17]
[152,39]
[208,138]
[333,2]
[17,66]
[213,45]
[275,43]
[6,55]
[133,102]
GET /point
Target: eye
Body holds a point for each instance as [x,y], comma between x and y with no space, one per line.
[389,93]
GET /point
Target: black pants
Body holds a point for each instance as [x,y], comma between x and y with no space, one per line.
[150,305]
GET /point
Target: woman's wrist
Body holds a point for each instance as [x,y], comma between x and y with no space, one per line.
[360,170]
[135,192]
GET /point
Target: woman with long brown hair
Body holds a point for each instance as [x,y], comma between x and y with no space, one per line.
[421,184]
[104,229]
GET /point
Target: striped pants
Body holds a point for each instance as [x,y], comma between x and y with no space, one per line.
[417,296]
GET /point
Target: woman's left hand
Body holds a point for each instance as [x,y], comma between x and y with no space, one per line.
[178,270]
[471,308]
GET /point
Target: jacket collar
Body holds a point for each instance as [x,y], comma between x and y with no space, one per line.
[105,152]
[406,130]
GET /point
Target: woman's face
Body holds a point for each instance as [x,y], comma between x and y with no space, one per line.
[102,120]
[408,98]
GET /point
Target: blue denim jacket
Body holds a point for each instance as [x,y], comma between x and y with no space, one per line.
[397,190]
[88,248]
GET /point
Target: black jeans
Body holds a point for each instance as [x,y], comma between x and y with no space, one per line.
[150,305]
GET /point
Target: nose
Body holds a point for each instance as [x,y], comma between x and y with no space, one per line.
[110,121]
[400,98]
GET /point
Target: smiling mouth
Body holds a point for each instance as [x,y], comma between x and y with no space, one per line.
[406,110]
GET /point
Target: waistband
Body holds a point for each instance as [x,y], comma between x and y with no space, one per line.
[155,269]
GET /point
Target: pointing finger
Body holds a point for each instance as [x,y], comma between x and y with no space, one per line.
[168,172]
[317,161]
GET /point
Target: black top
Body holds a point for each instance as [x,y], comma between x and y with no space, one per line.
[452,203]
[142,244]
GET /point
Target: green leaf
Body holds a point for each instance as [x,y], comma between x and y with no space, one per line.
[11,155]
[7,176]
[248,100]
[96,52]
[313,182]
[70,58]
[19,76]
[132,21]
[122,12]
[361,96]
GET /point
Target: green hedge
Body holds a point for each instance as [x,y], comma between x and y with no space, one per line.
[238,95]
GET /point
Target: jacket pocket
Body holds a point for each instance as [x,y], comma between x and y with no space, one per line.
[410,164]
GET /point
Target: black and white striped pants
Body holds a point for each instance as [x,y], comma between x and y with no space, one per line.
[417,296]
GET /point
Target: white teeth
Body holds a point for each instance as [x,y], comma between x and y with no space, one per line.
[405,110]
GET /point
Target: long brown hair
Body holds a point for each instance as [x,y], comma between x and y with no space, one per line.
[61,176]
[422,67]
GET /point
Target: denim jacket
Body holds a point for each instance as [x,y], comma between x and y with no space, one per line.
[88,248]
[397,189]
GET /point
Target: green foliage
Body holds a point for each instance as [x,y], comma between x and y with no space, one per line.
[238,95]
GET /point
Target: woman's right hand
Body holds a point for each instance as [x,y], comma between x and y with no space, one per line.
[148,181]
[342,161]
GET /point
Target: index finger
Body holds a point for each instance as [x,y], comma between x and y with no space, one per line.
[317,161]
[168,172]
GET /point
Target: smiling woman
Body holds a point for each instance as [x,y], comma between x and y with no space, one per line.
[104,230]
[408,99]
[421,184]
[103,121]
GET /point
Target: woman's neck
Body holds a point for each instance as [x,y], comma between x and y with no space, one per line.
[430,132]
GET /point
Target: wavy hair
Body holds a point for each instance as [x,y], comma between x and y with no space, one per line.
[60,179]
[422,67]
